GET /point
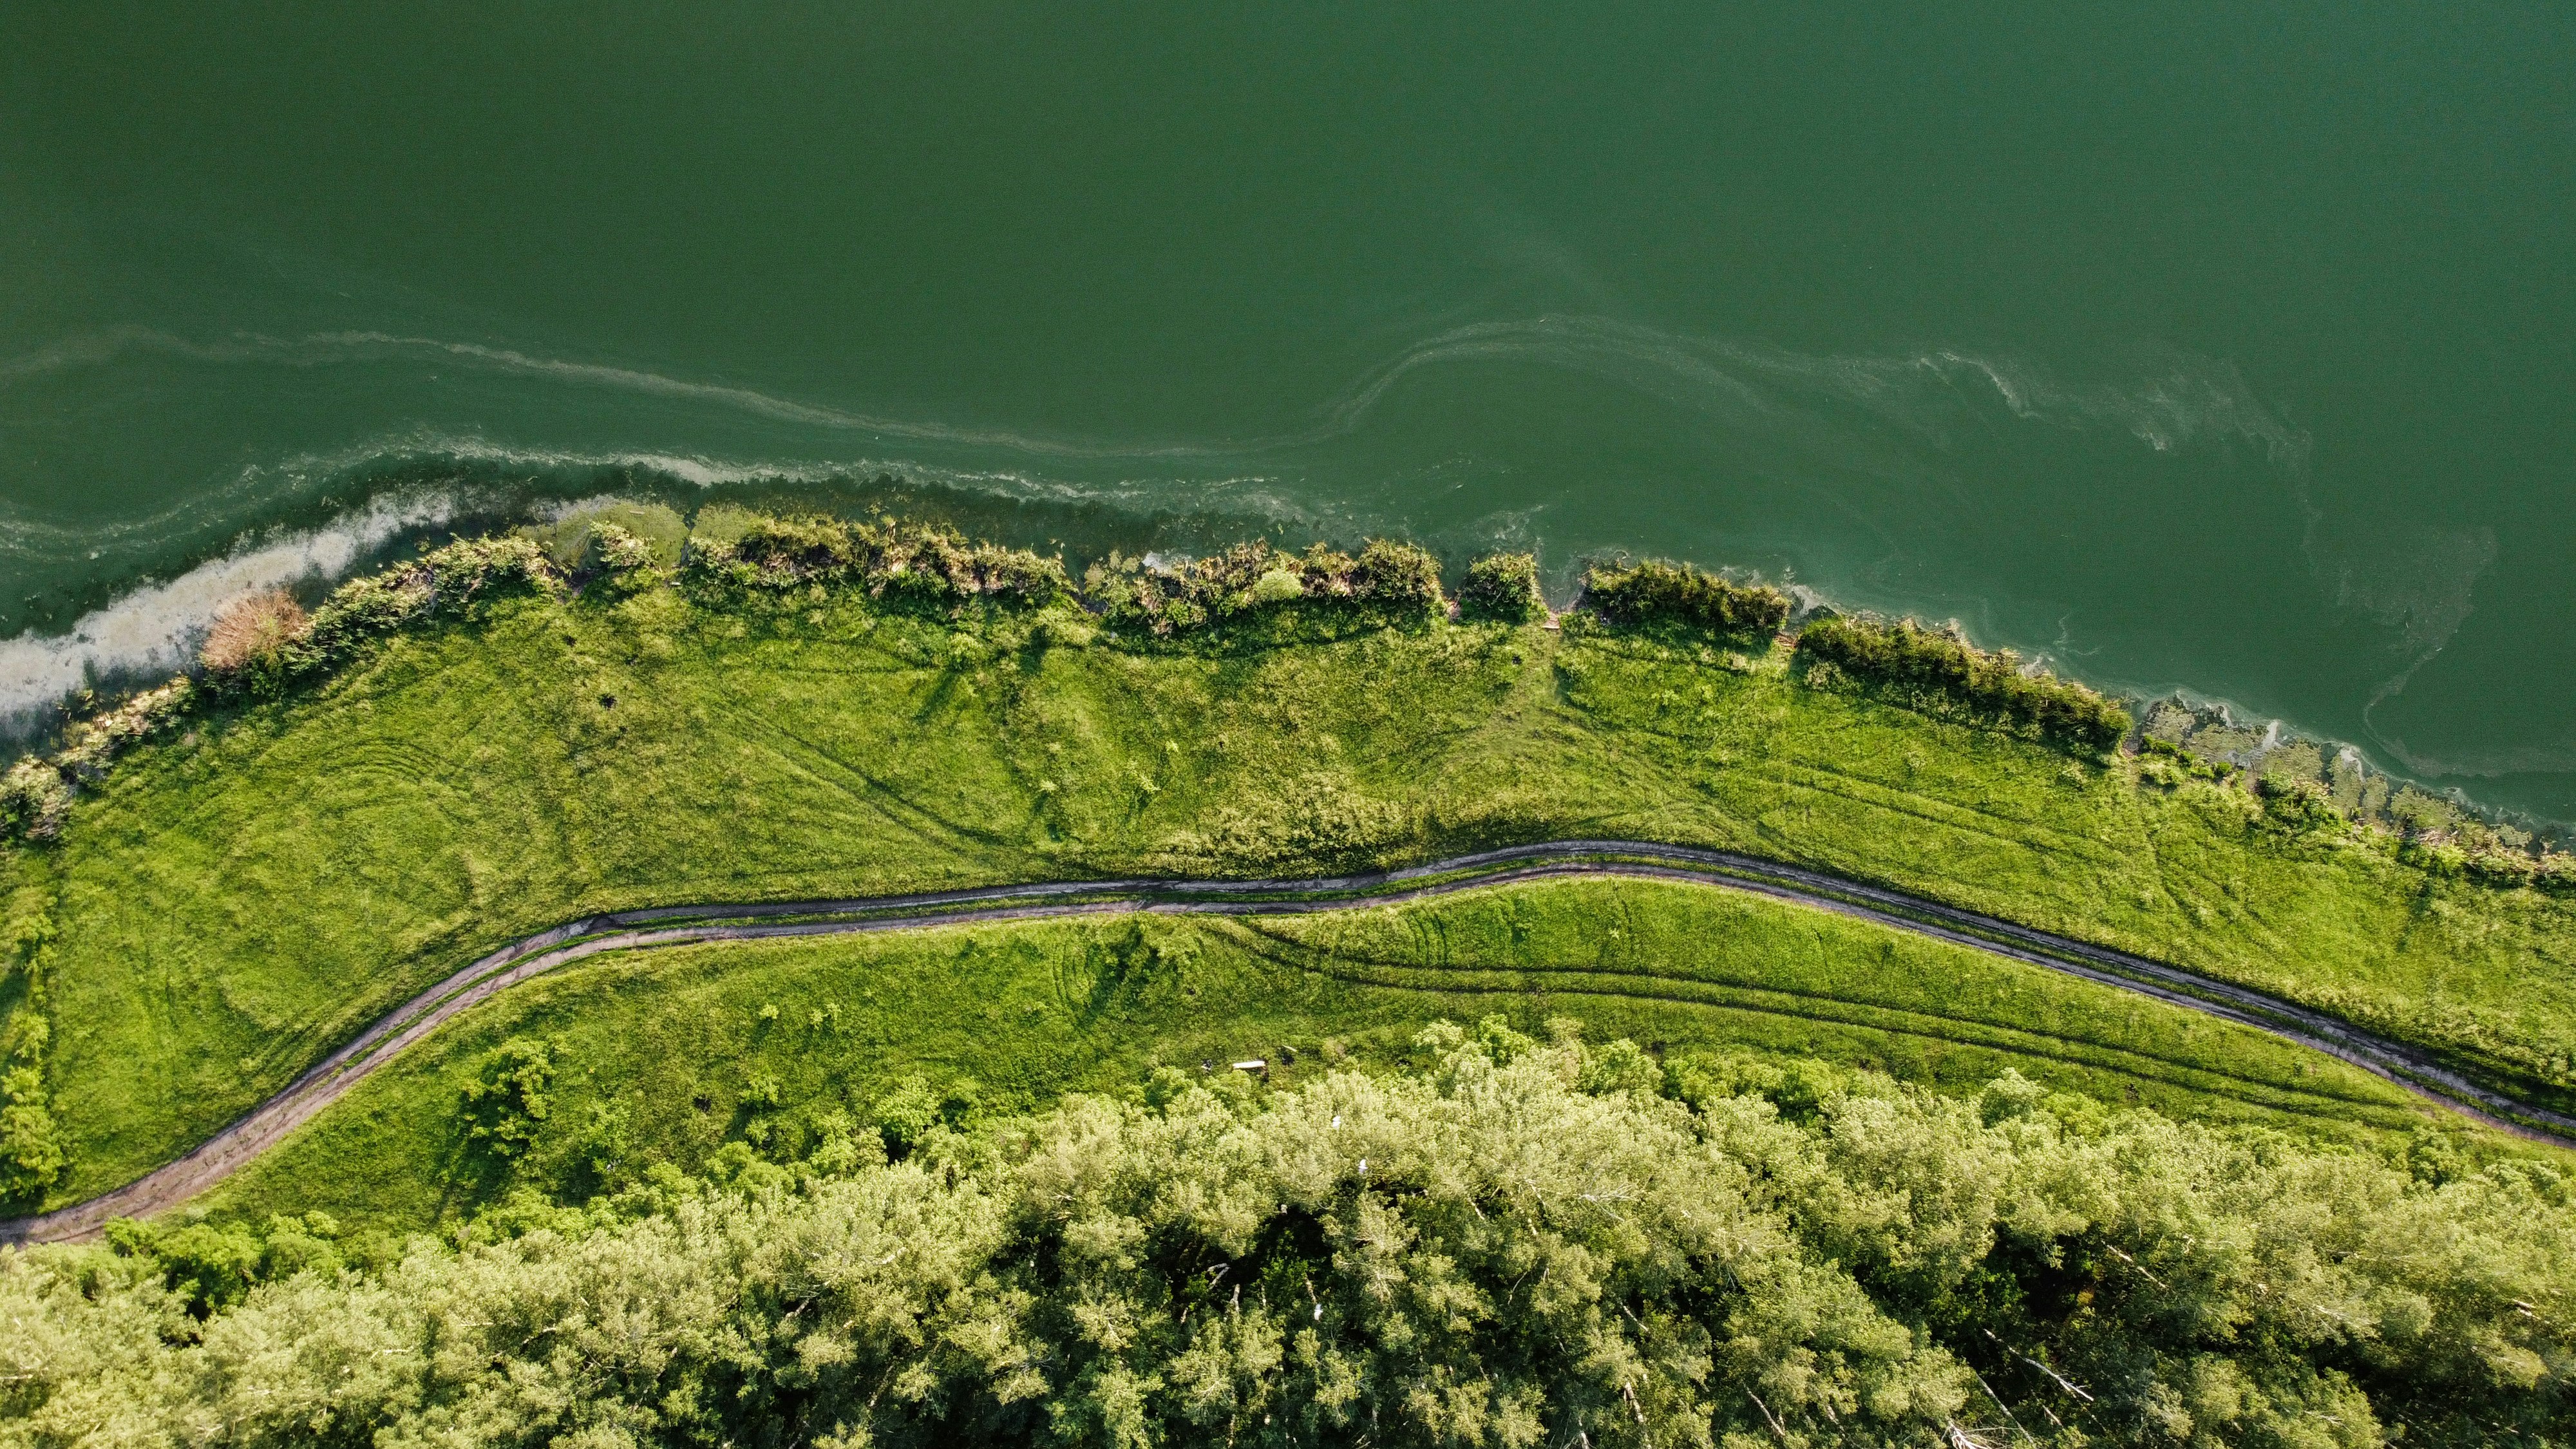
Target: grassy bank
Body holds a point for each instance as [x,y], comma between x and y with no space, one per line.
[235,897]
[669,1056]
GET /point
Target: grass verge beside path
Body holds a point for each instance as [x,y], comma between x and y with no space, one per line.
[673,1055]
[226,907]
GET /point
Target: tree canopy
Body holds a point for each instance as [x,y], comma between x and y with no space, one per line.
[1517,1244]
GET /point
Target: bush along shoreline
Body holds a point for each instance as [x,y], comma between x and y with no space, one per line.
[1915,662]
[1258,594]
[1667,595]
[1505,1242]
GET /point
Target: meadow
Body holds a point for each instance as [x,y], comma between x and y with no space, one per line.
[239,894]
[755,1049]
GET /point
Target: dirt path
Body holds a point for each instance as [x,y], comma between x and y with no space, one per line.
[219,1156]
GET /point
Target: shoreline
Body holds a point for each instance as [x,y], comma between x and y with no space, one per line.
[2210,729]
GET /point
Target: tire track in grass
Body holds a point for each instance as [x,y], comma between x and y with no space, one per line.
[1817,1007]
[219,1156]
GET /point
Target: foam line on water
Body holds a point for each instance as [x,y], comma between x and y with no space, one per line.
[155,627]
[2182,400]
[323,349]
[411,454]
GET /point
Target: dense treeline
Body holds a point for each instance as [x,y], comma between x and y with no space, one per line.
[1518,1245]
[1677,594]
[1909,657]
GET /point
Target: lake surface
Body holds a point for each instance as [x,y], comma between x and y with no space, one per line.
[2231,348]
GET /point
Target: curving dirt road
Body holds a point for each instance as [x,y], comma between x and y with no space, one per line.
[220,1155]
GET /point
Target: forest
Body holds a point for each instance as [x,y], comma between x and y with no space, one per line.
[1513,1242]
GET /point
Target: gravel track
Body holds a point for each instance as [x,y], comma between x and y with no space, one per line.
[219,1156]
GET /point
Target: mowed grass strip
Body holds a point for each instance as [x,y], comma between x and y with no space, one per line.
[228,906]
[672,1055]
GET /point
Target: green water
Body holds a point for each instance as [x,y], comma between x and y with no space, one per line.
[2222,347]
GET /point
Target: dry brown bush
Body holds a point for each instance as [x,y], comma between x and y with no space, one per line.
[252,628]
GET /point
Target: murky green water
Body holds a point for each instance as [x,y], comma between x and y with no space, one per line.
[2229,350]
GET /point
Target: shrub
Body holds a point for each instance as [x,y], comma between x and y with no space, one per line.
[618,552]
[1391,582]
[506,1102]
[265,643]
[895,561]
[2556,873]
[90,745]
[785,552]
[720,525]
[1397,577]
[1279,586]
[253,644]
[618,560]
[573,542]
[2502,867]
[31,1142]
[1679,595]
[1908,657]
[1502,587]
[207,1267]
[905,1115]
[34,798]
[2297,804]
[366,609]
[465,575]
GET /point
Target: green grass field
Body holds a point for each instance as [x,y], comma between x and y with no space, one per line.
[669,1055]
[226,906]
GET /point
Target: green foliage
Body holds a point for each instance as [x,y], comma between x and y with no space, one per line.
[2295,803]
[34,799]
[624,561]
[894,561]
[1622,1066]
[721,524]
[1482,1252]
[1278,586]
[906,1115]
[208,1266]
[2422,813]
[1909,658]
[1680,595]
[1503,588]
[31,1142]
[33,1149]
[506,1103]
[616,537]
[36,793]
[2008,1096]
[1387,583]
